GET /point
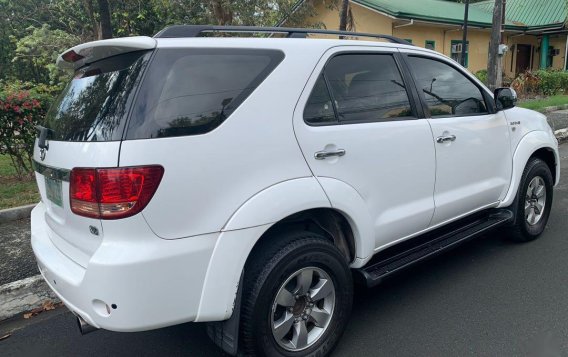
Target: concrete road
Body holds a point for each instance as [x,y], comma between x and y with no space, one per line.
[489,297]
[558,119]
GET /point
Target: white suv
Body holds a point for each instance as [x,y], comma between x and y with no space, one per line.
[246,181]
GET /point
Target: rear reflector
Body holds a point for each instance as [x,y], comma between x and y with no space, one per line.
[113,193]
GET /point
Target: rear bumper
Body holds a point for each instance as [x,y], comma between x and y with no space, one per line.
[145,281]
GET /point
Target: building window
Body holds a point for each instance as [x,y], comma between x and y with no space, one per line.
[408,40]
[430,45]
[457,49]
[552,52]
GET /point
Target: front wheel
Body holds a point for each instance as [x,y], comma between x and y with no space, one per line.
[297,297]
[534,201]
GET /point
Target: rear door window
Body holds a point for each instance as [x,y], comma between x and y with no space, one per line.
[192,91]
[319,108]
[367,88]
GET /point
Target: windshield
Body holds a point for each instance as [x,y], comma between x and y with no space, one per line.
[94,106]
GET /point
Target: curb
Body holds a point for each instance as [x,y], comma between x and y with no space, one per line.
[554,108]
[561,135]
[13,214]
[24,295]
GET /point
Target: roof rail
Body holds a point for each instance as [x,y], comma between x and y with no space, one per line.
[177,31]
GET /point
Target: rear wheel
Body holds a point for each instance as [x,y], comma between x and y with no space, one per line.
[534,201]
[297,297]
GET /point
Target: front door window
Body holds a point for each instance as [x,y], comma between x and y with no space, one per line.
[446,91]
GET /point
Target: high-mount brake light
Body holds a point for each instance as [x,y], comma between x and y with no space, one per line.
[71,56]
[113,193]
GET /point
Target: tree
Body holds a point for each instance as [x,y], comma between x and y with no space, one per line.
[343,15]
[92,20]
[37,52]
[70,22]
[104,12]
[222,12]
[346,21]
[494,75]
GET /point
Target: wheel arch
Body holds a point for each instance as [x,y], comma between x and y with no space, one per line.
[324,201]
[547,155]
[290,204]
[534,144]
[326,221]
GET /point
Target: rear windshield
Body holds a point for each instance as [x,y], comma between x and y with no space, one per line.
[192,91]
[94,105]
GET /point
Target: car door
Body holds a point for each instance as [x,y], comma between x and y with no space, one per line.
[357,123]
[473,155]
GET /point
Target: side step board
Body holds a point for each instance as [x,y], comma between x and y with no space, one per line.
[432,243]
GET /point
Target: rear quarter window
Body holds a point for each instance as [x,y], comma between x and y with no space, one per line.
[193,91]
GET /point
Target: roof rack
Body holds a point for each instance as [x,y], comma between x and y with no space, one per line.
[177,31]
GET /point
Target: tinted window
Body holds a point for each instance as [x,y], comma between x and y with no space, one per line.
[447,92]
[367,87]
[319,109]
[192,91]
[95,104]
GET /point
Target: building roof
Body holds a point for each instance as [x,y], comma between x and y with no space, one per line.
[521,14]
[531,13]
[429,10]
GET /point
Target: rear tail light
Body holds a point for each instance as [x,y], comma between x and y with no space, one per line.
[113,193]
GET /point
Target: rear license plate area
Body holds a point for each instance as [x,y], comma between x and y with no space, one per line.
[53,191]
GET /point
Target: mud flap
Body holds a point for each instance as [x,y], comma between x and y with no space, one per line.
[225,334]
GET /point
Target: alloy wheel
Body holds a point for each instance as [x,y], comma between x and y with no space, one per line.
[302,309]
[535,200]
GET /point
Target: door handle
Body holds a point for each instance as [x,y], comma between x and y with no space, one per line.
[445,139]
[321,155]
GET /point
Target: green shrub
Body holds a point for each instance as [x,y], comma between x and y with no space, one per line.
[482,75]
[550,83]
[22,107]
[542,82]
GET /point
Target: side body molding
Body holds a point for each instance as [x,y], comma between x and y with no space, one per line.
[530,143]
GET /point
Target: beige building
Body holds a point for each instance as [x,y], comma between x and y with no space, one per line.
[534,30]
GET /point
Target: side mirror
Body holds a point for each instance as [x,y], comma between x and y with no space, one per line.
[505,98]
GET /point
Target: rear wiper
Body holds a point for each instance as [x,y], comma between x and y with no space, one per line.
[43,131]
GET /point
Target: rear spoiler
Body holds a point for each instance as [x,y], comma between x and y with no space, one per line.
[80,55]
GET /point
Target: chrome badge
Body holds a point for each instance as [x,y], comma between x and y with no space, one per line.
[42,154]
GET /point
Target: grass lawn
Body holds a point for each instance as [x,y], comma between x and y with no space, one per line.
[15,192]
[539,104]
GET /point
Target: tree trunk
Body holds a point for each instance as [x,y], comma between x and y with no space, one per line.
[223,15]
[343,15]
[493,66]
[91,14]
[104,12]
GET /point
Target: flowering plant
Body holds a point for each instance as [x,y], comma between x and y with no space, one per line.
[20,111]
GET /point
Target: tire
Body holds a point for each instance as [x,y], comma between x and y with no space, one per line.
[288,259]
[536,184]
